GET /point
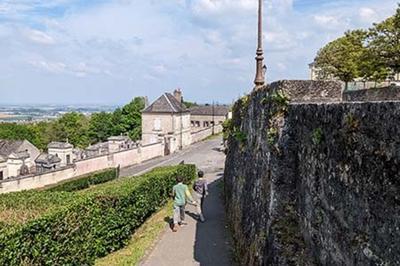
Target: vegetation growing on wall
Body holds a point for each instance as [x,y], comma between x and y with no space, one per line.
[76,228]
[227,129]
[317,136]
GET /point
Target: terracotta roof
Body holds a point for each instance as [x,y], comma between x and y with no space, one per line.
[46,158]
[59,145]
[167,103]
[9,146]
[219,110]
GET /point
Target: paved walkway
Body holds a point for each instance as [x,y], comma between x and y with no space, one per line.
[193,154]
[197,243]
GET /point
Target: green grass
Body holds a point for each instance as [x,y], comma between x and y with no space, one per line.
[213,136]
[141,242]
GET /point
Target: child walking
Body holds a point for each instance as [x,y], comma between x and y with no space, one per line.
[181,193]
[201,190]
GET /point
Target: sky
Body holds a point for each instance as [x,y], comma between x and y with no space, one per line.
[109,51]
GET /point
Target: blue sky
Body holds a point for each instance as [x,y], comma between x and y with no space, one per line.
[107,52]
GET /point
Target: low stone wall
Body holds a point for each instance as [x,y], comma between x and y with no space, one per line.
[205,133]
[90,165]
[37,181]
[391,93]
[151,151]
[84,167]
[129,157]
[314,184]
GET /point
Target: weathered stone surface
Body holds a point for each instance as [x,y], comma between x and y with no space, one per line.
[378,94]
[309,90]
[314,184]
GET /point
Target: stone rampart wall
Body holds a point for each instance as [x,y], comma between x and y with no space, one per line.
[314,184]
[377,94]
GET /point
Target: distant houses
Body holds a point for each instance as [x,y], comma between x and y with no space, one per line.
[21,158]
[166,124]
[17,157]
[208,115]
[167,120]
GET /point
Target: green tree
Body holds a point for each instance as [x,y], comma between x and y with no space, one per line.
[385,41]
[128,120]
[132,118]
[372,67]
[73,127]
[100,127]
[117,125]
[42,132]
[341,58]
[188,104]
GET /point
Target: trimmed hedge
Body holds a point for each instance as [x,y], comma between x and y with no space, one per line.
[86,182]
[98,221]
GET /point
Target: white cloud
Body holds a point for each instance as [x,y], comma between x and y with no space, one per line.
[328,22]
[39,37]
[52,67]
[368,15]
[124,47]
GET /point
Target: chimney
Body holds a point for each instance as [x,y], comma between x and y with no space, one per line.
[178,95]
[146,102]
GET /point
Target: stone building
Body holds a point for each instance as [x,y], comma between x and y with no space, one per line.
[166,119]
[208,115]
[47,162]
[3,168]
[120,143]
[62,150]
[20,156]
[97,149]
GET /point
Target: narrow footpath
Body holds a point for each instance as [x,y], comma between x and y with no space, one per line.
[195,243]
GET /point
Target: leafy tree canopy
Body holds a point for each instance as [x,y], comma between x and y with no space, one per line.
[369,55]
[79,129]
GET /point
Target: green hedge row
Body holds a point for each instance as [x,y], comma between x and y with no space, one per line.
[85,182]
[98,221]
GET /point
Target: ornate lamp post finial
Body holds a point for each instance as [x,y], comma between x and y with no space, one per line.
[260,75]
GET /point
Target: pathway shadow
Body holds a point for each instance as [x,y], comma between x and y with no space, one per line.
[212,244]
[169,221]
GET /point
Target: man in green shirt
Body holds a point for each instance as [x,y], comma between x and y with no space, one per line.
[181,193]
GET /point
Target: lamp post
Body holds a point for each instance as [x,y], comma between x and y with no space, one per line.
[260,76]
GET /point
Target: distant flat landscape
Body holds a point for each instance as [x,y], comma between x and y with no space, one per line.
[2,116]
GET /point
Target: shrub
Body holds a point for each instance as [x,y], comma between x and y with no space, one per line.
[87,181]
[96,222]
[317,136]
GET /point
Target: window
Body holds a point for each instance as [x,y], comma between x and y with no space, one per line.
[205,124]
[197,123]
[157,124]
[68,159]
[1,175]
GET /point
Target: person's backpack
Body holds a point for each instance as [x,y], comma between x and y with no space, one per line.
[198,186]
